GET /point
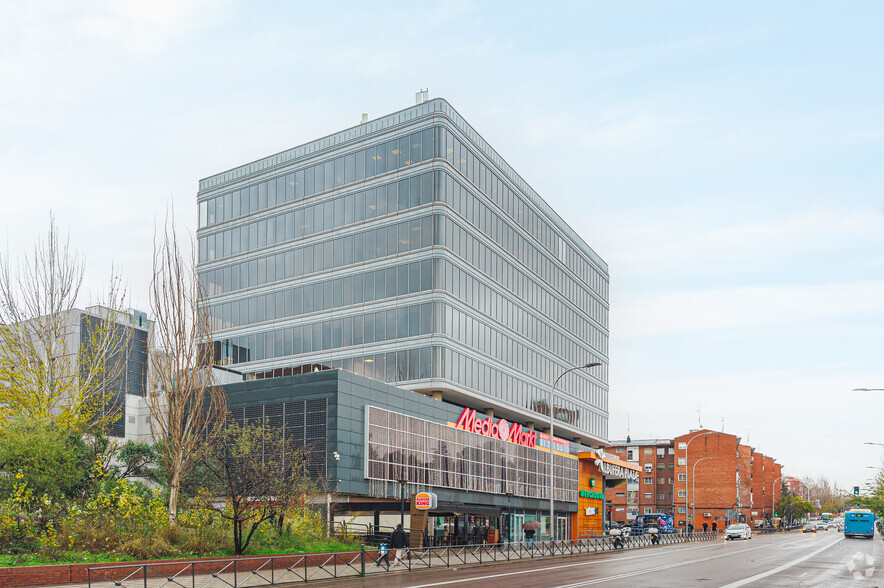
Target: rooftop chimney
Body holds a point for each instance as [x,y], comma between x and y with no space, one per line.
[364,117]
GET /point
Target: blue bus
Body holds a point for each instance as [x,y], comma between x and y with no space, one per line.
[859,522]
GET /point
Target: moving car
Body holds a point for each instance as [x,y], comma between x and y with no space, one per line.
[809,528]
[738,531]
[822,526]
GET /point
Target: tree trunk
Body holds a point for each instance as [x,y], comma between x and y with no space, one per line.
[173,496]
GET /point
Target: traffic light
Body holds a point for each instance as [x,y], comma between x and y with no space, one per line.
[856,490]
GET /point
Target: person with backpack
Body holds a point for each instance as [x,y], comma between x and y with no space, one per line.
[398,542]
[383,554]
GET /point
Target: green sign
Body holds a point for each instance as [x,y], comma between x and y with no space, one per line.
[588,494]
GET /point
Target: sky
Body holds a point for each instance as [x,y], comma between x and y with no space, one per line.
[725,160]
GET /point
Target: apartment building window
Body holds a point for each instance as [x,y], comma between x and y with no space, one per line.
[661,465]
[661,480]
[682,445]
[670,481]
[682,477]
[672,451]
[661,451]
[649,495]
[620,495]
[648,510]
[682,461]
[681,510]
[649,451]
[649,467]
[671,466]
[630,455]
[620,509]
[661,496]
[681,493]
[648,480]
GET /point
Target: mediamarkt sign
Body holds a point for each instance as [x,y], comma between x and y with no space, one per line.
[499,430]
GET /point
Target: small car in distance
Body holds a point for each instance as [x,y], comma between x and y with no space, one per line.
[822,526]
[809,528]
[738,531]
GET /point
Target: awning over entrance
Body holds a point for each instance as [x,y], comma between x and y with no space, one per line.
[611,467]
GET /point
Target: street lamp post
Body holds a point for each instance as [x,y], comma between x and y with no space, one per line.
[773,499]
[687,445]
[694,485]
[402,484]
[552,486]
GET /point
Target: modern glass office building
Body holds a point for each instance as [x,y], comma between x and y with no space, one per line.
[405,249]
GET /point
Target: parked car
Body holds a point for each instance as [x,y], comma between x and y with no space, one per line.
[738,531]
[809,528]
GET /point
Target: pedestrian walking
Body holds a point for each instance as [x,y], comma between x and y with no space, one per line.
[383,554]
[705,526]
[529,535]
[398,542]
[714,527]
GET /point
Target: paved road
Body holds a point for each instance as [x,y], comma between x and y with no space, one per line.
[824,559]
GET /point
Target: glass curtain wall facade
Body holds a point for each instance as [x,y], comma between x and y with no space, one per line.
[406,250]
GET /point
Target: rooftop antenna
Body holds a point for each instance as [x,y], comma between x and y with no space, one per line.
[699,420]
[628,437]
[422,96]
[722,424]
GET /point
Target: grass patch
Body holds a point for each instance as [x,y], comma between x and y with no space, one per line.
[294,545]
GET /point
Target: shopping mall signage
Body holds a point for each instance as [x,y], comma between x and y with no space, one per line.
[501,429]
[612,469]
[425,501]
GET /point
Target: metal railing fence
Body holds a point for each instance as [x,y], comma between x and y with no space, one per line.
[273,570]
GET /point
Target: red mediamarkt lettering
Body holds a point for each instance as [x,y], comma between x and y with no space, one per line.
[499,430]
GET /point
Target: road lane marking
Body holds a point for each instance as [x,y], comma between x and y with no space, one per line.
[598,561]
[664,567]
[779,569]
[657,569]
[595,561]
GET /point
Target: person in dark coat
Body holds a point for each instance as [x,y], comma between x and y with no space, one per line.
[398,542]
[529,535]
[714,527]
[705,526]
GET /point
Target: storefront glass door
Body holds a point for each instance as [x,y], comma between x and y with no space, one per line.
[562,528]
[516,526]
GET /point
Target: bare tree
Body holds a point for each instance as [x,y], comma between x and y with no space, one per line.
[43,372]
[187,408]
[261,476]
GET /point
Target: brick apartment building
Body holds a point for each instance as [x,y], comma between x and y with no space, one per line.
[795,486]
[727,480]
[654,490]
